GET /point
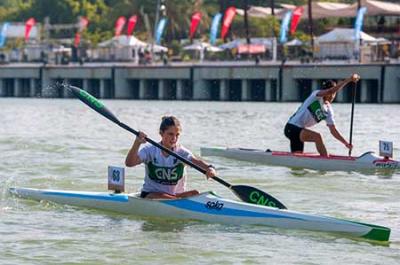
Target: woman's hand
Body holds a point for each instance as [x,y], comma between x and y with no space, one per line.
[132,158]
[141,138]
[211,172]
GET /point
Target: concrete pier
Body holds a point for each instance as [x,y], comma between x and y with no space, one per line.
[222,81]
[246,93]
[3,92]
[179,90]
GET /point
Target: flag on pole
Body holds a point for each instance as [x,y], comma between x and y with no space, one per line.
[196,17]
[77,39]
[214,28]
[297,13]
[160,30]
[131,24]
[3,33]
[228,18]
[82,25]
[28,27]
[285,26]
[119,25]
[359,22]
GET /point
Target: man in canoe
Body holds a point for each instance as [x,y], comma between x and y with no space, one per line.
[317,107]
[165,175]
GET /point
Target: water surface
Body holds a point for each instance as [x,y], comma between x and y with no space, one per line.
[62,144]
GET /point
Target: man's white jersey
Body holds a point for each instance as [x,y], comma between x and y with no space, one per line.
[312,111]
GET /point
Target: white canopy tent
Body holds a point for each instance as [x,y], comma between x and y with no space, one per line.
[131,41]
[343,35]
[260,11]
[126,48]
[17,30]
[326,9]
[202,47]
[381,8]
[122,40]
[340,43]
[319,10]
[374,8]
[294,42]
[267,42]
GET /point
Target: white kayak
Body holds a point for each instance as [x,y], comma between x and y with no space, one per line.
[207,207]
[364,162]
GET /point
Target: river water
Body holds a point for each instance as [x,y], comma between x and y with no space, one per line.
[62,144]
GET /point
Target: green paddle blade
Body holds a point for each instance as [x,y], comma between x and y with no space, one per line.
[92,102]
[256,196]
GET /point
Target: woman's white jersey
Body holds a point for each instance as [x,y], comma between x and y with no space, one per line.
[165,174]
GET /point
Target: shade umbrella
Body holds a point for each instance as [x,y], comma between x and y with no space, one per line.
[201,46]
[294,42]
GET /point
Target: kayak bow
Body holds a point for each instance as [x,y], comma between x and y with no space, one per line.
[207,207]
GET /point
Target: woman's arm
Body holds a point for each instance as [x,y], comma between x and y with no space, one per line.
[132,158]
[210,170]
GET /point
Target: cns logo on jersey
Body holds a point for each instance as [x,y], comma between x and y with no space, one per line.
[319,114]
[166,173]
[316,111]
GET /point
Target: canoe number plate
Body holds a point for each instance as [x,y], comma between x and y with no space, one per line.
[214,205]
[116,178]
[386,149]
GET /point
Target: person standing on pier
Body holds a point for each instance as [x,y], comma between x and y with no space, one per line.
[317,107]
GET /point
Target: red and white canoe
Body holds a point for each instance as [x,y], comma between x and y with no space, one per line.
[366,161]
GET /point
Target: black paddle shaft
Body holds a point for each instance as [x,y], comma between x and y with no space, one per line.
[99,107]
[126,127]
[245,193]
[353,100]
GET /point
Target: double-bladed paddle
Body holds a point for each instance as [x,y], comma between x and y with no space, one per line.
[245,193]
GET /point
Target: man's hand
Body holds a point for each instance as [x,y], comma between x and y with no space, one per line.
[355,78]
[349,146]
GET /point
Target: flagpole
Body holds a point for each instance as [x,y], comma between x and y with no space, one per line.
[310,26]
[246,21]
[155,27]
[274,42]
[359,41]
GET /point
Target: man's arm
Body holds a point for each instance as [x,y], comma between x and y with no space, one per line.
[338,136]
[335,89]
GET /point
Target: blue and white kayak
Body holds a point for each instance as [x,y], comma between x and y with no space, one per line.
[365,162]
[207,207]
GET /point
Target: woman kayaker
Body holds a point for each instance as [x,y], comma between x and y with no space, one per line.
[165,175]
[317,107]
